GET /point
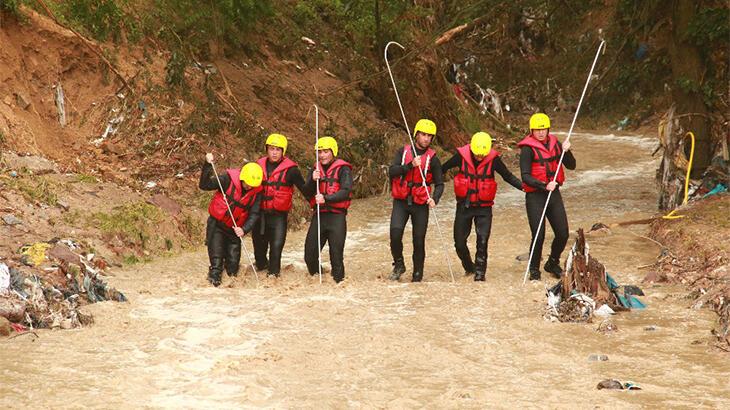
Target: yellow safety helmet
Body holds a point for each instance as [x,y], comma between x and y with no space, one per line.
[539,121]
[277,140]
[425,126]
[481,143]
[327,143]
[252,174]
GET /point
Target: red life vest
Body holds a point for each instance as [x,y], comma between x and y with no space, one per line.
[475,185]
[239,200]
[411,184]
[329,183]
[277,195]
[544,160]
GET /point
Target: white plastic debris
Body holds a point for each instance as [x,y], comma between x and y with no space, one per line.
[111,127]
[604,311]
[309,41]
[150,185]
[4,278]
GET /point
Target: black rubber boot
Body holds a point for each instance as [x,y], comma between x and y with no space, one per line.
[480,276]
[469,268]
[417,277]
[399,267]
[215,271]
[553,266]
[535,274]
[214,277]
[272,274]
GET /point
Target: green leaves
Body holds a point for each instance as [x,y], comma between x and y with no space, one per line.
[709,26]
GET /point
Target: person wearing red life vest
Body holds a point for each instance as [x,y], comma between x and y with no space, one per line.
[281,175]
[223,235]
[334,177]
[475,189]
[539,156]
[411,198]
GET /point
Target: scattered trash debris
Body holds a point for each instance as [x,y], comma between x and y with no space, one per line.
[150,184]
[309,41]
[60,105]
[604,311]
[4,278]
[598,358]
[719,188]
[142,107]
[53,300]
[586,289]
[111,128]
[650,328]
[613,384]
[622,124]
[607,326]
[35,254]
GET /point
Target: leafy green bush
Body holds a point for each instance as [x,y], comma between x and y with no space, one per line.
[10,5]
[102,19]
[709,25]
[133,222]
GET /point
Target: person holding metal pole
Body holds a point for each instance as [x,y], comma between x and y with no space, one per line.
[333,177]
[281,175]
[475,189]
[412,198]
[541,174]
[233,211]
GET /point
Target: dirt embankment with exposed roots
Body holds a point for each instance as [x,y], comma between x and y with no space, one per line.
[697,255]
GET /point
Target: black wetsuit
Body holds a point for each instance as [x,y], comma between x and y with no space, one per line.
[535,202]
[333,225]
[479,216]
[269,234]
[405,208]
[224,246]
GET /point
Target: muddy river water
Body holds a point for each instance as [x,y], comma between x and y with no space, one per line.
[368,342]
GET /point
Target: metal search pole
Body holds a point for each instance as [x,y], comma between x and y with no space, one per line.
[243,244]
[560,162]
[316,166]
[415,154]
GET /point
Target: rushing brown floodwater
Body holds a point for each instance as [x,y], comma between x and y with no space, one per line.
[373,343]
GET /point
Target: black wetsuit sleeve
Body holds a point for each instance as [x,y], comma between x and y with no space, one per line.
[453,162]
[345,179]
[294,177]
[309,189]
[568,158]
[437,176]
[396,169]
[526,170]
[208,181]
[508,176]
[253,214]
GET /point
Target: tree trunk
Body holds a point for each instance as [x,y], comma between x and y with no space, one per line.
[687,73]
[379,42]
